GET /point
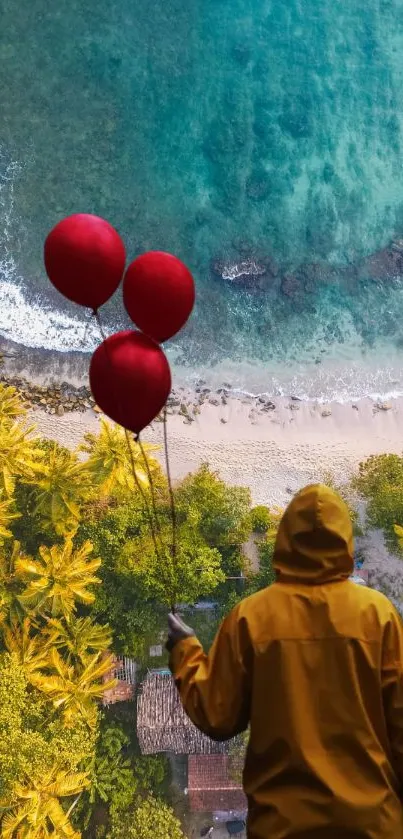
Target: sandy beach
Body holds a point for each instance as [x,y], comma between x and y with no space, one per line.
[273,451]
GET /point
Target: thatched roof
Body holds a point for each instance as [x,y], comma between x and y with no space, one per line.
[162,725]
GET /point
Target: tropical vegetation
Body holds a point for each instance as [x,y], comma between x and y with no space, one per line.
[85,578]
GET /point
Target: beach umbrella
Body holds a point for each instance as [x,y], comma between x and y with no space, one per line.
[85,259]
[158,294]
[130,379]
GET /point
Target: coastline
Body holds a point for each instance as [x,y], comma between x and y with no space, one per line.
[274,447]
[273,452]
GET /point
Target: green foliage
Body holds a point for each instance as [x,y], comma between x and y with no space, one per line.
[260,518]
[113,779]
[77,638]
[60,485]
[7,516]
[219,512]
[112,457]
[120,601]
[380,483]
[35,810]
[118,777]
[58,624]
[398,531]
[19,455]
[150,819]
[195,572]
[348,493]
[58,578]
[11,405]
[73,688]
[32,739]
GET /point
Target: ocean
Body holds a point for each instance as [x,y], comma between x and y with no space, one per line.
[260,141]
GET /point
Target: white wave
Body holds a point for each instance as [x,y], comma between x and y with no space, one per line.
[341,379]
[30,323]
[33,326]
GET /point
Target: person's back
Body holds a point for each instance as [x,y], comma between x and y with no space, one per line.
[313,664]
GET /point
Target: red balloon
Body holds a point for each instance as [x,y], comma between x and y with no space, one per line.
[85,259]
[130,379]
[159,294]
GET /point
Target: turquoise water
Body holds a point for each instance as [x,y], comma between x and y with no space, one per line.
[219,130]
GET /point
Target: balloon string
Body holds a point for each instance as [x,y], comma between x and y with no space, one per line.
[151,482]
[135,476]
[172,500]
[144,497]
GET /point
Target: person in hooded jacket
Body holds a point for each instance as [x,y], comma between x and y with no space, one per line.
[313,664]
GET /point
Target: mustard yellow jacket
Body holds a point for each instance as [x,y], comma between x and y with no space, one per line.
[314,664]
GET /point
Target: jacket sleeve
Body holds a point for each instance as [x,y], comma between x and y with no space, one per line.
[215,689]
[392,689]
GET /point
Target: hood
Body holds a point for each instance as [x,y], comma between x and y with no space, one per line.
[314,543]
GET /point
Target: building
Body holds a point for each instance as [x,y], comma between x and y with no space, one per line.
[124,670]
[163,726]
[211,788]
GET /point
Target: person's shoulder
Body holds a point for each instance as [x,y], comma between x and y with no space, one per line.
[253,602]
[372,598]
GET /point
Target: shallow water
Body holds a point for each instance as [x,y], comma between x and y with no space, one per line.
[216,129]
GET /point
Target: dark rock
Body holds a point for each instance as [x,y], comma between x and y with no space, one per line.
[248,274]
[384,264]
[291,286]
[295,399]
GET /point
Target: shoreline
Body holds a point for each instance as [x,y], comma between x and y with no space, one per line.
[273,452]
[273,446]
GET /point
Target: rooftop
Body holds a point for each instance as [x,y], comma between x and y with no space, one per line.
[163,726]
[124,670]
[210,787]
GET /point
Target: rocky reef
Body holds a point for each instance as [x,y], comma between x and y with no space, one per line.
[256,275]
[249,274]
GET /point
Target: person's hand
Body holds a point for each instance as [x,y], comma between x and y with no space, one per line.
[177,630]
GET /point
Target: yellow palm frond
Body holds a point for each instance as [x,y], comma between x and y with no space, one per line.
[11,405]
[60,485]
[73,689]
[111,461]
[58,578]
[20,454]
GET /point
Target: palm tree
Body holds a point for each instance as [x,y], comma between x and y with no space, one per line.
[35,811]
[6,517]
[10,403]
[30,651]
[74,689]
[110,461]
[19,455]
[78,638]
[58,579]
[10,587]
[60,484]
